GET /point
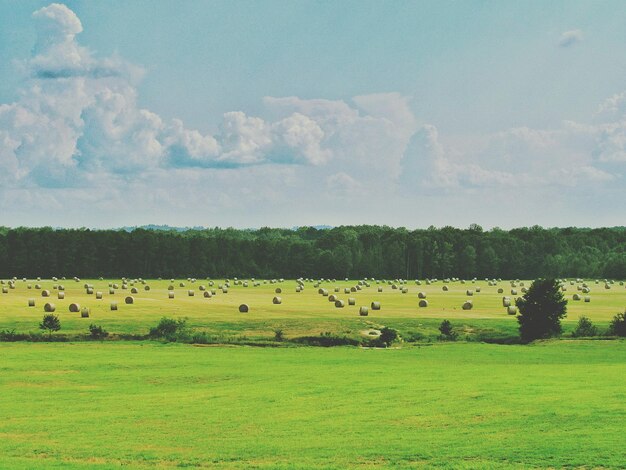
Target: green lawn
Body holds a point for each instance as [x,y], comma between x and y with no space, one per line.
[464,405]
[299,314]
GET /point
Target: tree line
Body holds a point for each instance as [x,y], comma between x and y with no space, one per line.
[347,251]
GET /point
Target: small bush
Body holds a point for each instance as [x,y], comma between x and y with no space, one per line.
[387,336]
[97,332]
[585,328]
[279,335]
[51,323]
[447,331]
[618,325]
[170,329]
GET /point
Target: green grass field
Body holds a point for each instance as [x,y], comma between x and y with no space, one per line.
[556,404]
[299,314]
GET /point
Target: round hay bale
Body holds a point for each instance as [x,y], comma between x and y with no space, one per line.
[29,286]
[380,289]
[524,290]
[298,289]
[182,284]
[511,310]
[113,305]
[422,295]
[513,292]
[467,305]
[506,301]
[351,301]
[243,308]
[352,289]
[277,300]
[363,311]
[84,313]
[213,292]
[336,289]
[278,290]
[445,288]
[170,287]
[191,293]
[111,291]
[201,288]
[170,295]
[340,304]
[132,291]
[375,305]
[146,288]
[405,290]
[346,290]
[74,308]
[469,292]
[31,302]
[423,303]
[38,286]
[45,293]
[99,295]
[576,297]
[207,294]
[332,297]
[500,291]
[49,307]
[587,299]
[61,295]
[129,300]
[477,289]
[5,290]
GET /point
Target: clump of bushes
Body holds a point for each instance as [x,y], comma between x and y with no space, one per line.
[447,331]
[326,339]
[584,328]
[171,329]
[618,325]
[97,332]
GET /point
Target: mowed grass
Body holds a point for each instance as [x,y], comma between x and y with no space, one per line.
[464,405]
[299,314]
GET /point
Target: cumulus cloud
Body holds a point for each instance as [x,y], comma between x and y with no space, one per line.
[569,38]
[77,132]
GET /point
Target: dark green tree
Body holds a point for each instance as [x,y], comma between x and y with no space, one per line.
[541,310]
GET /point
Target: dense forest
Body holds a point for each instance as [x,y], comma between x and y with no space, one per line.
[350,251]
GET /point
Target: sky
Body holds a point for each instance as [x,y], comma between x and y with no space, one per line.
[290,113]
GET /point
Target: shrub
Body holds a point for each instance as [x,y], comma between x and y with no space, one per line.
[279,335]
[170,330]
[541,310]
[447,331]
[97,332]
[326,339]
[51,323]
[584,328]
[387,336]
[618,325]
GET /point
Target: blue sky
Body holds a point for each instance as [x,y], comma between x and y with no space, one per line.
[290,113]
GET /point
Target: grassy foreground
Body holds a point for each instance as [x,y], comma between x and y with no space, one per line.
[101,405]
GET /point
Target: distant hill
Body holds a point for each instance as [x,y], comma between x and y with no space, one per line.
[169,228]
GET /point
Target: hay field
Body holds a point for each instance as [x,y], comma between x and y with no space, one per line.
[300,313]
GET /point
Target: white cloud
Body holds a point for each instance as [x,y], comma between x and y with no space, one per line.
[77,140]
[569,38]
